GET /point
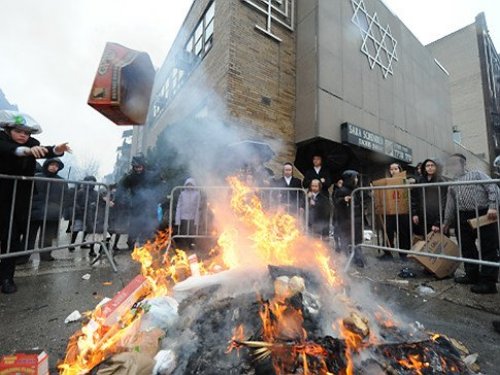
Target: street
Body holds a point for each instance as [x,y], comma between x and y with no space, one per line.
[34,317]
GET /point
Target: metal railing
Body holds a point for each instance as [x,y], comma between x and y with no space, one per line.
[36,210]
[199,223]
[394,208]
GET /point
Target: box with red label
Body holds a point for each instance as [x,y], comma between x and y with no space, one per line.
[34,362]
[123,301]
[122,85]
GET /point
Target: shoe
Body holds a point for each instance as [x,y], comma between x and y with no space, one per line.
[484,288]
[385,258]
[71,249]
[466,280]
[496,326]
[359,263]
[92,253]
[85,247]
[8,287]
[22,260]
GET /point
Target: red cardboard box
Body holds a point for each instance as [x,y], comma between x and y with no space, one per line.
[124,300]
[34,362]
[122,85]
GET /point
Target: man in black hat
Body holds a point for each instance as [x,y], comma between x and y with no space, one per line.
[318,172]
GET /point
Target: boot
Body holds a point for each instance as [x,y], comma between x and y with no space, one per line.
[466,280]
[8,287]
[484,288]
[46,257]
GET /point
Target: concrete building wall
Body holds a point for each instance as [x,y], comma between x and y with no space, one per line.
[459,53]
[411,107]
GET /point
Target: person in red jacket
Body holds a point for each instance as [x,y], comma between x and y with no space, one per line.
[18,154]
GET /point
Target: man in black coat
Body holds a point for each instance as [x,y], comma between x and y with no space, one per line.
[319,210]
[142,187]
[47,206]
[343,213]
[318,172]
[292,200]
[18,154]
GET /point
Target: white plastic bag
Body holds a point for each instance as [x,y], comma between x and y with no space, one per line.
[165,363]
[161,312]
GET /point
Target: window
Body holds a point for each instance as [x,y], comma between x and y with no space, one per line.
[198,45]
[201,40]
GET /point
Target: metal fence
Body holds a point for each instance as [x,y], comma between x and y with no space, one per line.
[402,214]
[33,209]
[197,219]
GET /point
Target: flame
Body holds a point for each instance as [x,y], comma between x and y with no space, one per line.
[413,362]
[353,342]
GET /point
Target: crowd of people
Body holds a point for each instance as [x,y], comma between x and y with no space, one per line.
[135,206]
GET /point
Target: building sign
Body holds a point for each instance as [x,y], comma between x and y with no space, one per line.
[360,137]
[278,12]
[378,44]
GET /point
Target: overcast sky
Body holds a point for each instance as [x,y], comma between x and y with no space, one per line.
[50,49]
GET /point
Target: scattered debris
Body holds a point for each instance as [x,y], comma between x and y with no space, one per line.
[160,313]
[166,363]
[107,283]
[86,276]
[33,361]
[394,281]
[128,363]
[75,316]
[425,290]
[406,273]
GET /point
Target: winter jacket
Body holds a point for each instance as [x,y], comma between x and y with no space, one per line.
[433,197]
[13,165]
[319,213]
[48,201]
[188,205]
[312,175]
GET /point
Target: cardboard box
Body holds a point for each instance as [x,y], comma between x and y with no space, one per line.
[124,300]
[481,221]
[34,362]
[123,84]
[437,243]
[391,201]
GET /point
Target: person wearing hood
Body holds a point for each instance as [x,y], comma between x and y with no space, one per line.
[46,209]
[343,205]
[187,213]
[428,203]
[18,154]
[141,186]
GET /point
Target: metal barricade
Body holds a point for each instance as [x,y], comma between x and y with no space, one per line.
[399,211]
[31,222]
[200,223]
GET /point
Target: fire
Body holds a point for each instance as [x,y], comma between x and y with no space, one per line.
[250,235]
[413,362]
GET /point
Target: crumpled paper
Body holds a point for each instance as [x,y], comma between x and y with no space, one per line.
[129,363]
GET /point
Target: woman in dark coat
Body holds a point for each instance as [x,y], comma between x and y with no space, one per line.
[429,212]
[343,202]
[18,154]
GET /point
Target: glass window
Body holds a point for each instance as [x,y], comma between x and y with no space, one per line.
[199,32]
[209,30]
[209,16]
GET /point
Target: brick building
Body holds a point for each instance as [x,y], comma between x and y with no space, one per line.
[341,77]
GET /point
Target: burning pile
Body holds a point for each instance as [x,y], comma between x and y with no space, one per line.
[270,292]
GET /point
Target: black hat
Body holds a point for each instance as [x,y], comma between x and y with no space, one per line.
[138,160]
[90,178]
